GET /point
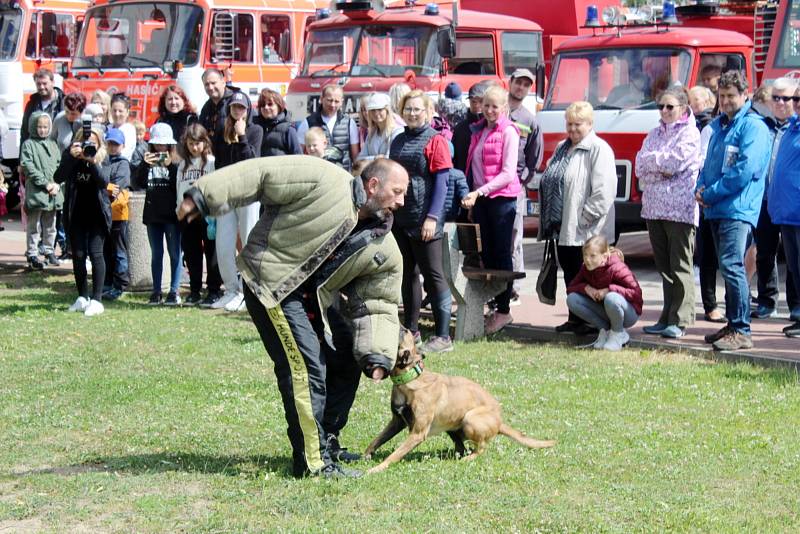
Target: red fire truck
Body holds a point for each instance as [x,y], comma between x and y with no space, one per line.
[368,46]
[33,34]
[139,47]
[783,58]
[597,68]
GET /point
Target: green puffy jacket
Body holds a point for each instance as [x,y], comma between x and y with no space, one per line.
[309,210]
[39,158]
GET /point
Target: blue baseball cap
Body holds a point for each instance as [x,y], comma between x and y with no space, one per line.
[114,135]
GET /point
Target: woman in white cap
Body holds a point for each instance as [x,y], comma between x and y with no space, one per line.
[381,128]
[240,140]
[158,177]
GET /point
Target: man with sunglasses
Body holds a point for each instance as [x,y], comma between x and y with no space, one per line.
[767,234]
[730,188]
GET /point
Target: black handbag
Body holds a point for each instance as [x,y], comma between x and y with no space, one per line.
[547,282]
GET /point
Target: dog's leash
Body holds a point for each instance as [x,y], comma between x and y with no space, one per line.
[409,376]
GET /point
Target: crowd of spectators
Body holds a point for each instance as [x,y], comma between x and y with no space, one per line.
[716,173]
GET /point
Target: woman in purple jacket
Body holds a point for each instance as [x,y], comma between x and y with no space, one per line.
[667,168]
[492,167]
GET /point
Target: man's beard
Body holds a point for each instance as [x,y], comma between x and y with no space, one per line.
[374,208]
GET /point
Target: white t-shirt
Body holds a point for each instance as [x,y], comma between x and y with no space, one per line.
[189,172]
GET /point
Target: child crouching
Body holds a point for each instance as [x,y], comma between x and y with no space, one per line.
[605,294]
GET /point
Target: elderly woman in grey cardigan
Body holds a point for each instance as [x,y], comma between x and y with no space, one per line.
[577,197]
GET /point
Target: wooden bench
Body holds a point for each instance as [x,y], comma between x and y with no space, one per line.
[472,285]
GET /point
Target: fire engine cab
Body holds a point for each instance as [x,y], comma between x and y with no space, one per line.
[368,46]
[620,70]
[139,47]
[33,34]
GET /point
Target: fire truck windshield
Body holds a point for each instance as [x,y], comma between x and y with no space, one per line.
[615,78]
[374,50]
[10,24]
[136,35]
[788,53]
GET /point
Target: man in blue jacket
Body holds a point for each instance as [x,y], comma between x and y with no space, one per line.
[730,189]
[784,203]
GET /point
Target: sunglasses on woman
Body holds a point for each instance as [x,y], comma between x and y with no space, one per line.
[784,99]
[668,107]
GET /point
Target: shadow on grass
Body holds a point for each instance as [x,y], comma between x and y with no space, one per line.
[781,376]
[249,466]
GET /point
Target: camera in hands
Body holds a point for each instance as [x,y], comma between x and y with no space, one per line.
[88,147]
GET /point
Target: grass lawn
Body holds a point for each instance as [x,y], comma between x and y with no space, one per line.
[169,420]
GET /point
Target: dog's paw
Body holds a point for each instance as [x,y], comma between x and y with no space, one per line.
[376,469]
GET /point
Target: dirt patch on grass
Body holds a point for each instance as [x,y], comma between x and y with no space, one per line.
[21,526]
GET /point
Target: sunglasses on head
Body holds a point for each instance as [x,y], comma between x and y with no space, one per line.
[784,99]
[668,107]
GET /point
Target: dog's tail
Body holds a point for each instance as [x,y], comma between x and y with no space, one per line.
[519,437]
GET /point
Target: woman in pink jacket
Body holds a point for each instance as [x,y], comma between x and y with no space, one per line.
[667,168]
[492,171]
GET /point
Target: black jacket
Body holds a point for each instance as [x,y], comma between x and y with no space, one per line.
[461,138]
[69,171]
[212,116]
[178,122]
[280,137]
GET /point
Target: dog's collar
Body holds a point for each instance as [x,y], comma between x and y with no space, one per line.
[408,376]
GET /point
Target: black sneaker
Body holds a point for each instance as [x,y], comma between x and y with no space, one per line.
[52,259]
[211,298]
[65,256]
[155,299]
[173,299]
[337,471]
[193,299]
[719,334]
[793,330]
[585,329]
[34,263]
[569,326]
[339,453]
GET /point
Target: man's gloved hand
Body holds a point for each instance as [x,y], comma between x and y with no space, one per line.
[376,373]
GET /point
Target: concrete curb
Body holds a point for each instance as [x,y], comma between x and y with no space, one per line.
[532,334]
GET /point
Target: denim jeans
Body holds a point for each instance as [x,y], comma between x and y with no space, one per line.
[730,239]
[614,313]
[156,232]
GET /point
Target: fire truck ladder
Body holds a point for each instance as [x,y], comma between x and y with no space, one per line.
[764,19]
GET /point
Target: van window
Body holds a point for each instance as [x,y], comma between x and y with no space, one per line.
[55,36]
[237,42]
[474,55]
[521,51]
[713,65]
[275,29]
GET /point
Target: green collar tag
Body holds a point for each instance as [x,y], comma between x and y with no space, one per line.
[408,376]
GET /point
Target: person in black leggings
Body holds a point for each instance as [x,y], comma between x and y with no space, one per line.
[87,216]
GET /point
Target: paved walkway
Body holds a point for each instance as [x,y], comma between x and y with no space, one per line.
[535,321]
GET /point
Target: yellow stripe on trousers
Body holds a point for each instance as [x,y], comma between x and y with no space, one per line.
[300,388]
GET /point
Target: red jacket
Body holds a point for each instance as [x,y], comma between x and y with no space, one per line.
[614,275]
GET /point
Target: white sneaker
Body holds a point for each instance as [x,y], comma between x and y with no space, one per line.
[95,307]
[224,300]
[79,305]
[601,339]
[236,304]
[616,340]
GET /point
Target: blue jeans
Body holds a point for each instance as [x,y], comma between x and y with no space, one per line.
[614,313]
[731,239]
[156,232]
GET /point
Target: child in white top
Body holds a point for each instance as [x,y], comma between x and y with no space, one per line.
[195,150]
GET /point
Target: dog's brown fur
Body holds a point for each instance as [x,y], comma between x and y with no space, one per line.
[435,403]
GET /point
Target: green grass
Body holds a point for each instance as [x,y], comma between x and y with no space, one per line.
[169,420]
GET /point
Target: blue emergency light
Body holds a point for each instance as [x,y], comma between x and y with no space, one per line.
[323,13]
[592,17]
[668,13]
[432,9]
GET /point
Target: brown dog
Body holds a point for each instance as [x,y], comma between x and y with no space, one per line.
[430,403]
